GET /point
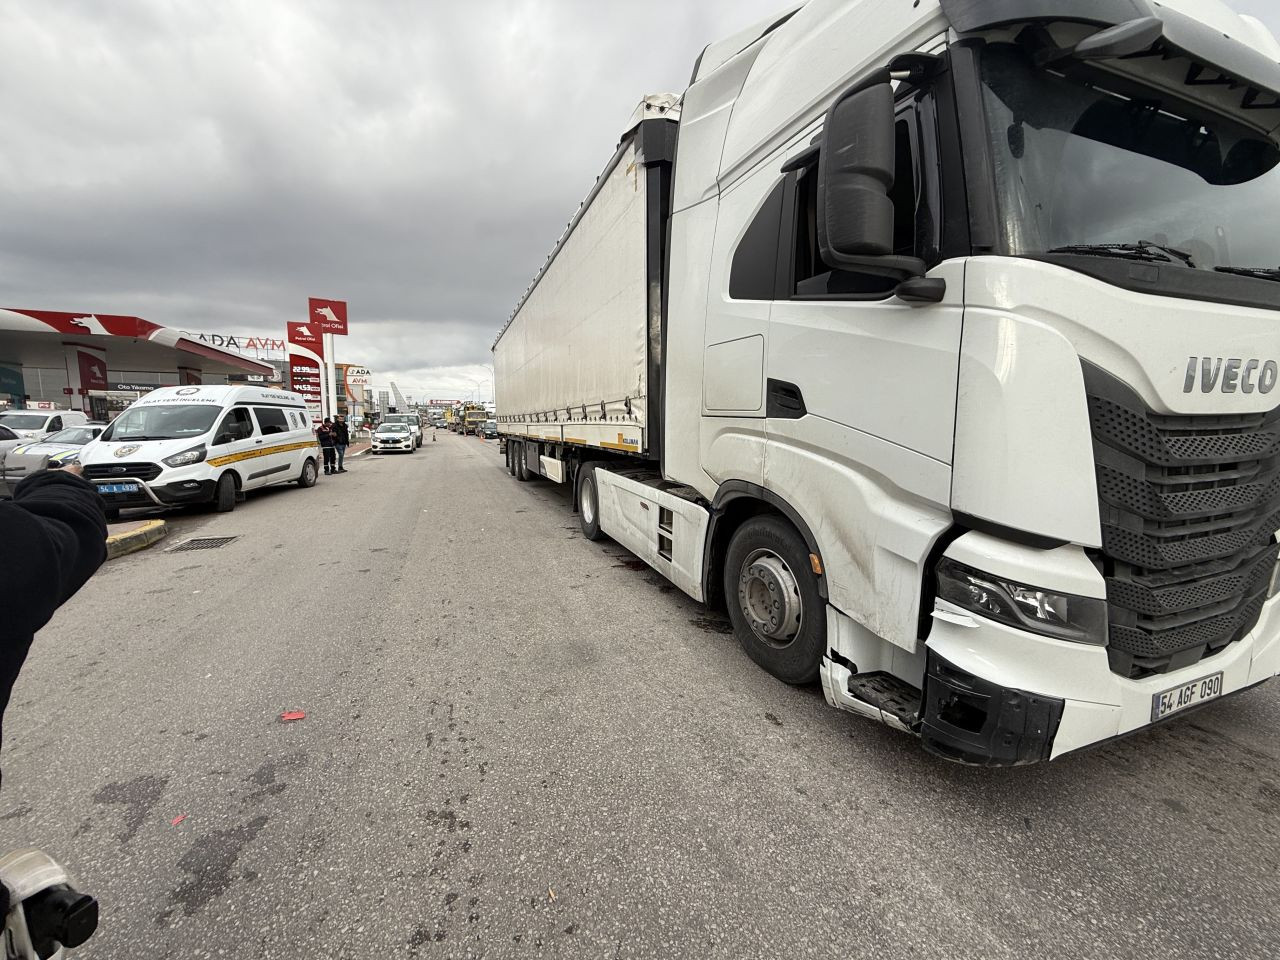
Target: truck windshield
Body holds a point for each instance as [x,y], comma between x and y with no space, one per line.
[163,421]
[1080,168]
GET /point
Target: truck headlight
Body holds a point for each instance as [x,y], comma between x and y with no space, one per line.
[186,457]
[1061,615]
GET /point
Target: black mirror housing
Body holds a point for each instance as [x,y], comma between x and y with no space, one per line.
[855,175]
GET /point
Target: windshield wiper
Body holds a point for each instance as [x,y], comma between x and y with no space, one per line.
[1142,250]
[1261,273]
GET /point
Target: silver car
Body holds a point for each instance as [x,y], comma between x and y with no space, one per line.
[64,446]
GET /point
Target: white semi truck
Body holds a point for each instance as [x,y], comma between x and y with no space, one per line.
[938,340]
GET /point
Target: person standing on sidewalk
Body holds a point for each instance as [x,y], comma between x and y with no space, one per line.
[342,440]
[328,444]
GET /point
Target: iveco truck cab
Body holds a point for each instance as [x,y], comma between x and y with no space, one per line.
[961,324]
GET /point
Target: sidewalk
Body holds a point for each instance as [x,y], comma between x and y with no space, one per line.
[358,448]
[133,535]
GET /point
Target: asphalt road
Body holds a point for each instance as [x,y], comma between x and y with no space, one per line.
[518,744]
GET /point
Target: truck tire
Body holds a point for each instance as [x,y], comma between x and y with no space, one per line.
[307,478]
[511,464]
[522,468]
[772,594]
[224,494]
[589,503]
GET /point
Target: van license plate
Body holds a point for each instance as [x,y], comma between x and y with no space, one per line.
[1187,695]
[117,488]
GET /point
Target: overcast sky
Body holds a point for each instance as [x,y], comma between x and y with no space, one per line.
[209,166]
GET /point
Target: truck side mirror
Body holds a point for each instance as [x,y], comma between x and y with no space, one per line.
[856,164]
[855,175]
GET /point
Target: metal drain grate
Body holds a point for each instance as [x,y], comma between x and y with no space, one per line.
[203,543]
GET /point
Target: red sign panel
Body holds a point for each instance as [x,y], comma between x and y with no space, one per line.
[329,316]
[93,371]
[306,335]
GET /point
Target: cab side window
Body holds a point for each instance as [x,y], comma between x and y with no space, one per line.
[779,256]
[271,420]
[236,425]
[54,424]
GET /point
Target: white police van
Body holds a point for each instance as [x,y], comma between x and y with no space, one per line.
[202,444]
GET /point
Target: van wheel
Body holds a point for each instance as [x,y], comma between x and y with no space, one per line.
[522,468]
[589,504]
[772,594]
[224,494]
[308,476]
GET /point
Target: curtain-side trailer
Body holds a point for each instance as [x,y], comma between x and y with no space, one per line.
[937,341]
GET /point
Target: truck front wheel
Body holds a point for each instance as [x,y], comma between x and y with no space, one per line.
[773,599]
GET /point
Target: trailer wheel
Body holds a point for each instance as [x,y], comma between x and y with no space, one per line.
[773,600]
[224,494]
[589,503]
[522,468]
[511,464]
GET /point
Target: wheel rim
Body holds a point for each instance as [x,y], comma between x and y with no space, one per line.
[309,473]
[587,503]
[769,597]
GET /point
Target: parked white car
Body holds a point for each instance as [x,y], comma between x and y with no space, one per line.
[41,424]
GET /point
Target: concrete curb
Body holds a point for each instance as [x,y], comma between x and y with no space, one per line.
[139,538]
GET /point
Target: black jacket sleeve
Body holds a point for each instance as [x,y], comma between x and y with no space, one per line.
[53,536]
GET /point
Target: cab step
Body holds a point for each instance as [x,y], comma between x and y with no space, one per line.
[888,694]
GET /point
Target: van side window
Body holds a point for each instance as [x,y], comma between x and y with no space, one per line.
[236,425]
[271,420]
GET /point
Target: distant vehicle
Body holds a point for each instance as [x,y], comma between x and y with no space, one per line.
[412,420]
[41,424]
[393,437]
[64,446]
[201,444]
[473,418]
[9,440]
[489,430]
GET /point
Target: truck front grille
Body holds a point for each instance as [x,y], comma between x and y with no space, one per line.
[1190,506]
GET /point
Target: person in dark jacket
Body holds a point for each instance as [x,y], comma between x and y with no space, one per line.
[341,440]
[328,444]
[53,536]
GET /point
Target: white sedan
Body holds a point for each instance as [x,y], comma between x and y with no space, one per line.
[393,436]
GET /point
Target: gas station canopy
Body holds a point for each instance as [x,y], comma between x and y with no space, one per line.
[40,338]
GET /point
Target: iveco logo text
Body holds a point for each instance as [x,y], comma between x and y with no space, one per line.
[1229,376]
